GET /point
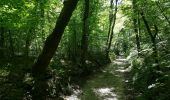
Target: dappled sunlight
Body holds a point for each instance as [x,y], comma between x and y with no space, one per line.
[74,96]
[106,85]
[106,93]
[120,61]
[84,50]
[123,70]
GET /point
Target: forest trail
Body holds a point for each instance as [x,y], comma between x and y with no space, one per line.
[109,84]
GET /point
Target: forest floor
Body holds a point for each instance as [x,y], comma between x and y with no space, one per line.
[111,83]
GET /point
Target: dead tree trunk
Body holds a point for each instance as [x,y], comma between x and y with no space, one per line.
[50,46]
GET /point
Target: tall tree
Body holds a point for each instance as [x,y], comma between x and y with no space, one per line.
[2,40]
[50,46]
[85,35]
[162,12]
[110,20]
[111,30]
[153,36]
[42,16]
[11,43]
[135,24]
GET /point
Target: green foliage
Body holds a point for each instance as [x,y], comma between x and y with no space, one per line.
[25,24]
[146,79]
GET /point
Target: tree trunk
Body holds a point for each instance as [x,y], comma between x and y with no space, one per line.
[50,46]
[160,8]
[11,44]
[135,23]
[74,43]
[42,6]
[153,39]
[2,39]
[111,31]
[110,20]
[85,35]
[27,43]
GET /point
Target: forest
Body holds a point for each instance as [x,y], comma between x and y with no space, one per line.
[84,49]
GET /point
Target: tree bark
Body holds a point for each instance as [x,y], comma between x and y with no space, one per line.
[2,39]
[162,11]
[50,46]
[73,46]
[85,35]
[42,16]
[110,20]
[153,39]
[111,31]
[135,23]
[28,43]
[11,44]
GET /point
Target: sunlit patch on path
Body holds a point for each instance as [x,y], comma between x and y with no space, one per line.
[106,93]
[120,61]
[74,96]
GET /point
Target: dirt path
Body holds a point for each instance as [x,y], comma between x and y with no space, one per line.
[109,84]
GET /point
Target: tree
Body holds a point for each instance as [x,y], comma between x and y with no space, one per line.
[110,20]
[50,46]
[2,40]
[162,12]
[85,35]
[111,30]
[136,25]
[153,37]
